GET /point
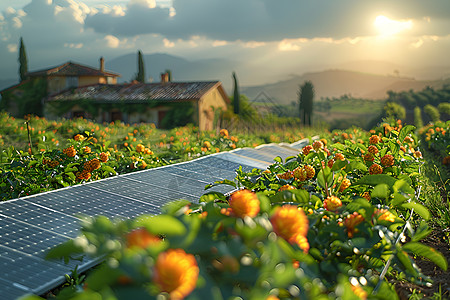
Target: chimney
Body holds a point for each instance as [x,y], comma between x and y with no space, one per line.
[102,64]
[164,77]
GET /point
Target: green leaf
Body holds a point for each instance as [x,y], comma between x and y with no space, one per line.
[355,165]
[377,179]
[421,232]
[405,131]
[172,207]
[108,169]
[381,191]
[427,252]
[339,165]
[278,159]
[325,178]
[219,182]
[300,196]
[161,224]
[338,146]
[64,250]
[418,208]
[264,202]
[406,261]
[212,196]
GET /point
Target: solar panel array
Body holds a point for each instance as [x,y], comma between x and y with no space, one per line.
[30,226]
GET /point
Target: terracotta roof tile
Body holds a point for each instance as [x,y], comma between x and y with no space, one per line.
[138,92]
[71,69]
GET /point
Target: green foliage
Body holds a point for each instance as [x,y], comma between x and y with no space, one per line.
[177,116]
[395,110]
[432,112]
[140,76]
[345,247]
[306,98]
[444,108]
[418,122]
[23,61]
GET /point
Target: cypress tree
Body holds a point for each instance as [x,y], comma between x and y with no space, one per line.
[306,98]
[236,95]
[23,62]
[141,69]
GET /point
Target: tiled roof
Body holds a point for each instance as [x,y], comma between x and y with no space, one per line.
[138,92]
[71,69]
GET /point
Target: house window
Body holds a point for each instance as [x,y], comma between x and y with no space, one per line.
[71,81]
[110,80]
[116,115]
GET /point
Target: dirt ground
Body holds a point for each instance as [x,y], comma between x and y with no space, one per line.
[441,279]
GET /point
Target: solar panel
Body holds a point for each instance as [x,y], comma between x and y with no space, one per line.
[41,217]
[32,225]
[87,200]
[240,159]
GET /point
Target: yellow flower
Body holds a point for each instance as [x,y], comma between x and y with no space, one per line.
[291,223]
[345,184]
[307,149]
[287,187]
[310,172]
[79,137]
[244,203]
[384,215]
[176,273]
[70,152]
[299,174]
[332,203]
[140,148]
[372,149]
[104,157]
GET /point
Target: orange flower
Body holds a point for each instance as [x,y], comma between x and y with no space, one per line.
[310,172]
[291,223]
[286,175]
[330,163]
[446,160]
[374,139]
[79,137]
[366,195]
[86,149]
[70,152]
[176,273]
[307,149]
[339,156]
[224,132]
[104,157]
[332,203]
[345,184]
[317,145]
[372,149]
[387,160]
[287,187]
[418,154]
[375,169]
[351,221]
[359,292]
[141,238]
[369,157]
[299,174]
[244,203]
[207,144]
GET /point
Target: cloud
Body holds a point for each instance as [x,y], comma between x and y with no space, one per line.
[264,20]
[112,41]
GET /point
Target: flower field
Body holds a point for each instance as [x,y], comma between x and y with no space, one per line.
[345,218]
[38,155]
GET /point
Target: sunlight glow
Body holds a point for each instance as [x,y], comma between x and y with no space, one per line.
[388,27]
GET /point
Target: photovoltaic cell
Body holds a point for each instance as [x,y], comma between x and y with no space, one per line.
[85,200]
[31,226]
[239,159]
[255,154]
[41,217]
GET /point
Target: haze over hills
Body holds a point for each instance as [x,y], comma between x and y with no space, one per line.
[336,83]
[363,79]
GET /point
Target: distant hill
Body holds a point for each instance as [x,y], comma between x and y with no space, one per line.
[182,69]
[336,83]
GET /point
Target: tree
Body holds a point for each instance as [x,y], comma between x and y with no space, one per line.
[140,76]
[306,98]
[432,112]
[236,96]
[23,62]
[418,122]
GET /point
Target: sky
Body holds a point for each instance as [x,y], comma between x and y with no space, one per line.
[274,38]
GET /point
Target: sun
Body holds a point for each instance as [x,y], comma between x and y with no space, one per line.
[389,27]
